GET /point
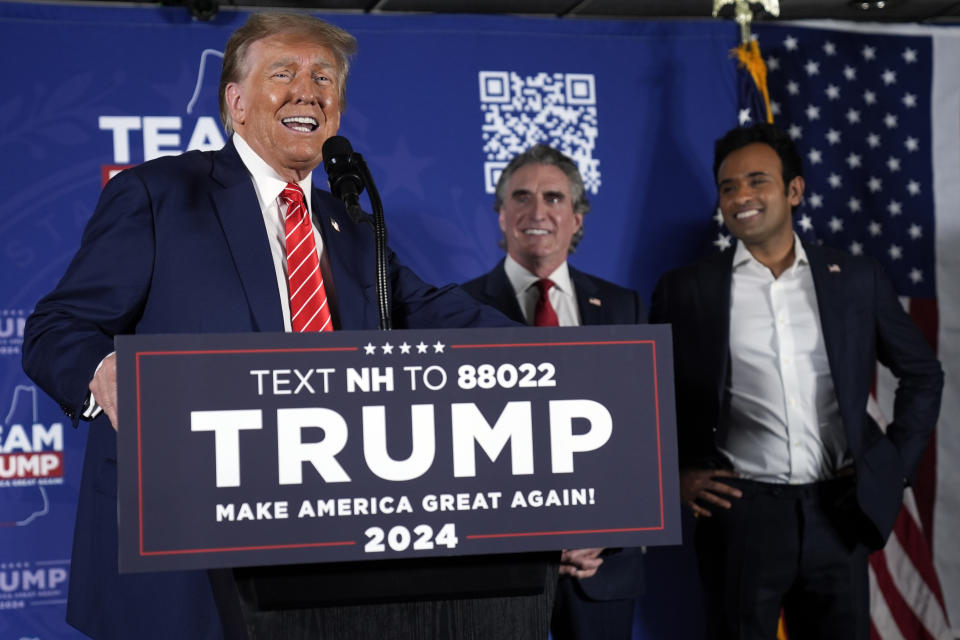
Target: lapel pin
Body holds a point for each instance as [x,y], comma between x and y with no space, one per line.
[333,223]
[595,302]
[833,268]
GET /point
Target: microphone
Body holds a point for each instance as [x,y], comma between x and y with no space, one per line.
[344,172]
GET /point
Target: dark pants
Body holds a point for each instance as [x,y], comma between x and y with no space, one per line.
[785,546]
[577,617]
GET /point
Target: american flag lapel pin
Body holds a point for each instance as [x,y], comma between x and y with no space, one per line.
[595,302]
[833,268]
[334,224]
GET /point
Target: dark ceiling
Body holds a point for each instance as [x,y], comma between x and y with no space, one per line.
[925,11]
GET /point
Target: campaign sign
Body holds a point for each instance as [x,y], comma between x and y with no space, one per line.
[258,449]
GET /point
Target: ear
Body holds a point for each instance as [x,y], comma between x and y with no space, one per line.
[795,191]
[578,220]
[502,221]
[235,103]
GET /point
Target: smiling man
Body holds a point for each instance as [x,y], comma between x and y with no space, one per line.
[775,346]
[231,241]
[541,203]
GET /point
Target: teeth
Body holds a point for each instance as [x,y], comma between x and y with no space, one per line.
[536,232]
[302,120]
[301,123]
[747,214]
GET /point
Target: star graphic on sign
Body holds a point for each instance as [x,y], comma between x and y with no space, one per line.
[890,120]
[421,348]
[836,224]
[915,231]
[790,43]
[795,132]
[829,48]
[815,156]
[805,222]
[869,97]
[773,63]
[854,205]
[875,228]
[370,349]
[812,68]
[833,136]
[813,113]
[387,347]
[722,242]
[856,248]
[853,116]
[833,92]
[438,347]
[895,208]
[835,180]
[404,169]
[873,140]
[909,100]
[909,55]
[874,184]
[853,160]
[816,200]
[404,348]
[895,251]
[869,53]
[743,117]
[913,187]
[849,73]
[793,88]
[893,164]
[889,77]
[911,143]
[916,276]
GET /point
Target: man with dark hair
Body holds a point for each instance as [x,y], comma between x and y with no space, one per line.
[541,203]
[775,348]
[208,242]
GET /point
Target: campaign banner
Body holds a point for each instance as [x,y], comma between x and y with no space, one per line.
[260,449]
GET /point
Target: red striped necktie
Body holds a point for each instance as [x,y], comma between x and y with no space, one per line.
[308,299]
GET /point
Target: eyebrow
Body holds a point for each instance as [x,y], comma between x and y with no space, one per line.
[752,174]
[323,63]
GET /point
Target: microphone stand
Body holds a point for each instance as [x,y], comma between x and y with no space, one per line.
[380,240]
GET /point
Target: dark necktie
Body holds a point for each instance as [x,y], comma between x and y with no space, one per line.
[308,299]
[544,315]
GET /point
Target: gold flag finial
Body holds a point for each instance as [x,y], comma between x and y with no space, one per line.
[744,11]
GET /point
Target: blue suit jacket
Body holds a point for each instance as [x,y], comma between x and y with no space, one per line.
[599,302]
[178,245]
[862,322]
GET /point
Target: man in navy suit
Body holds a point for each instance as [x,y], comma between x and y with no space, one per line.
[775,345]
[196,243]
[540,201]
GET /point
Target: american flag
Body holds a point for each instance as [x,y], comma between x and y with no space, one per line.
[858,105]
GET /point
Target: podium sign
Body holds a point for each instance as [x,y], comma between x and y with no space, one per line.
[263,449]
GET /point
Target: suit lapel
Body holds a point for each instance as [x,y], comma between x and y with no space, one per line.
[242,222]
[830,304]
[497,287]
[589,301]
[713,284]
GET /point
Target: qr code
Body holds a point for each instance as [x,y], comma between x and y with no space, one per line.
[557,109]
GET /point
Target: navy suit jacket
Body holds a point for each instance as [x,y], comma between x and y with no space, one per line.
[178,245]
[600,302]
[862,322]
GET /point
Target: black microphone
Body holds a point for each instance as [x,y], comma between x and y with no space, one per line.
[344,172]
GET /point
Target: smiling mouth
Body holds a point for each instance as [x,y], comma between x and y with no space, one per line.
[746,215]
[535,232]
[306,124]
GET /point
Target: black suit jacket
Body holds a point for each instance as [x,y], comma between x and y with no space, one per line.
[600,302]
[862,322]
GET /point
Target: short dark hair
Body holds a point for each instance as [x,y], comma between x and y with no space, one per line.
[263,25]
[543,154]
[768,134]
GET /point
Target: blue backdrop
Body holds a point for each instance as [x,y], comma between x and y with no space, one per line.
[436,104]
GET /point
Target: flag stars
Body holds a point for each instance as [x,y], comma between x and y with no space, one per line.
[909,55]
[835,180]
[722,242]
[853,116]
[913,188]
[850,73]
[856,248]
[916,276]
[893,164]
[718,217]
[874,228]
[854,160]
[793,88]
[812,68]
[869,53]
[890,120]
[873,140]
[773,63]
[836,224]
[815,156]
[833,136]
[743,116]
[795,132]
[895,208]
[775,107]
[909,100]
[911,143]
[790,43]
[915,232]
[815,200]
[833,92]
[854,205]
[875,184]
[889,77]
[895,252]
[869,97]
[829,48]
[805,223]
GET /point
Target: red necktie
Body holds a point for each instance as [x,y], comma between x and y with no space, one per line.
[544,315]
[308,299]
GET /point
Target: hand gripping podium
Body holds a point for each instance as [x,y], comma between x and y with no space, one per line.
[414,484]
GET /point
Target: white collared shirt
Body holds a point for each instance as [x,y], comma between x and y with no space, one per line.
[563,297]
[269,185]
[784,421]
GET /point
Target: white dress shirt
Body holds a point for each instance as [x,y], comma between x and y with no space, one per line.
[562,295]
[784,422]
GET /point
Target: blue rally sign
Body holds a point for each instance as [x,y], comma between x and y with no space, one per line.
[259,449]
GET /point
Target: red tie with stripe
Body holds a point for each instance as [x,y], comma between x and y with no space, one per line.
[308,299]
[544,314]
